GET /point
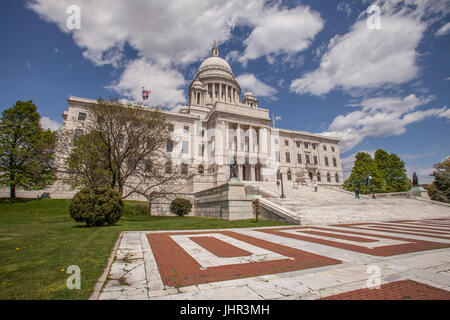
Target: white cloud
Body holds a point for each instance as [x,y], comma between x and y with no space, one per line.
[168,35]
[174,31]
[444,30]
[344,7]
[166,84]
[381,117]
[48,123]
[279,31]
[445,114]
[257,87]
[365,58]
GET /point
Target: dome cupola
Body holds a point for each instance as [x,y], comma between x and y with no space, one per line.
[250,100]
[217,79]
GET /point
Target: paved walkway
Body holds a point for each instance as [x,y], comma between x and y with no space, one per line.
[407,259]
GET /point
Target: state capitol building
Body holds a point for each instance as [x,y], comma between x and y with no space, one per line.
[219,126]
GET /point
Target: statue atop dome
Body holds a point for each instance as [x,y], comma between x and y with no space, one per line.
[215,50]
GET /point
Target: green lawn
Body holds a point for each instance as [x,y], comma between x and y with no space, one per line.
[39,240]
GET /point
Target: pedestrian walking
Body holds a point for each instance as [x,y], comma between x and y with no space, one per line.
[356,193]
[316,188]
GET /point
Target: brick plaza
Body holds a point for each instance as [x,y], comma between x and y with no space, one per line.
[411,259]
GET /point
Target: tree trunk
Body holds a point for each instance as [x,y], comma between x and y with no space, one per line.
[12,192]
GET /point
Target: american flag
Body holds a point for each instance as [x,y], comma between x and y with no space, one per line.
[145,94]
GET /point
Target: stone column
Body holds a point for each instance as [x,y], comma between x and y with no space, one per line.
[238,135]
[250,139]
[263,143]
[220,91]
[240,154]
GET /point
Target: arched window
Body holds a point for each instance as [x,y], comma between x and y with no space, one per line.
[289,174]
[328,177]
[318,177]
[336,177]
[201,169]
[310,175]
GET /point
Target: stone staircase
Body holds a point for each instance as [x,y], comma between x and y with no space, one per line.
[330,205]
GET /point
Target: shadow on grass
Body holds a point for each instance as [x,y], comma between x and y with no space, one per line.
[17,200]
[85,226]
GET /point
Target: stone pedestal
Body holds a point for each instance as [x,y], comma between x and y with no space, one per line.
[418,192]
[227,201]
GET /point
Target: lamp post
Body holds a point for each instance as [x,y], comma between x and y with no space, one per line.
[280,176]
[371,186]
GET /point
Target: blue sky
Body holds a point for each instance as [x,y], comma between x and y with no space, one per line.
[322,66]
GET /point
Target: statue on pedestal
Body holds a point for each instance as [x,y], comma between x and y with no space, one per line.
[415,180]
[233,169]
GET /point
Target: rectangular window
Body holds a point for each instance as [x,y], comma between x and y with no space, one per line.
[168,167]
[308,160]
[286,143]
[148,165]
[326,161]
[131,164]
[299,144]
[314,146]
[306,145]
[186,129]
[78,133]
[169,145]
[288,157]
[184,168]
[332,149]
[334,162]
[299,158]
[277,156]
[150,143]
[185,146]
[324,148]
[81,116]
[315,160]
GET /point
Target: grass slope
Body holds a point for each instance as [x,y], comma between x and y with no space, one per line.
[39,241]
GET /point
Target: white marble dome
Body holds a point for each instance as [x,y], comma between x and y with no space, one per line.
[215,63]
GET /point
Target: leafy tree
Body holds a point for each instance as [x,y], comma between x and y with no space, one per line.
[364,167]
[439,190]
[124,149]
[26,149]
[392,170]
[86,165]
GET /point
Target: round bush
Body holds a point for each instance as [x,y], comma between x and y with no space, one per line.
[180,206]
[96,206]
